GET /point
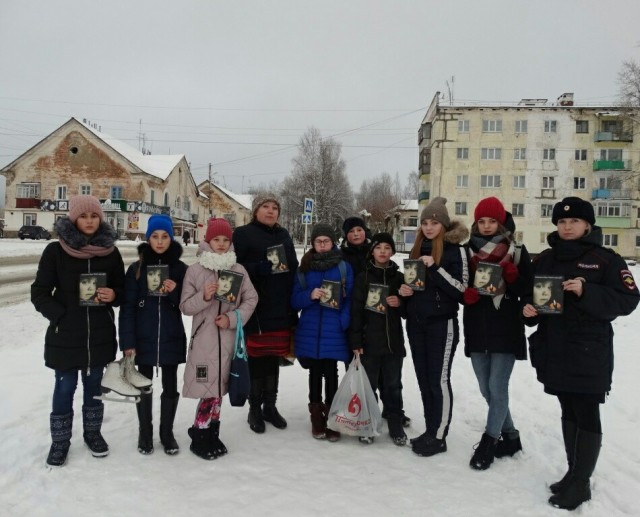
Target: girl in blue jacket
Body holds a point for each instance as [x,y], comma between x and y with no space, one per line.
[321,337]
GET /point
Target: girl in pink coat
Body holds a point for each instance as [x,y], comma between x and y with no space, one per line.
[213,331]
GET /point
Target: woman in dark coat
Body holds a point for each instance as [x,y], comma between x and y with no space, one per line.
[573,352]
[268,332]
[79,338]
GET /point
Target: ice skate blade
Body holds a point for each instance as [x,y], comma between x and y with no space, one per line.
[126,400]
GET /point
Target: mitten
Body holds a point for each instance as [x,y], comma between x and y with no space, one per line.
[471,296]
[509,272]
[264,267]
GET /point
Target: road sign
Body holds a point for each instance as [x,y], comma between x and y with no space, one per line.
[308,205]
[306,218]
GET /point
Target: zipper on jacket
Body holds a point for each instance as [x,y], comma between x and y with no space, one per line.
[88,329]
[386,315]
[158,340]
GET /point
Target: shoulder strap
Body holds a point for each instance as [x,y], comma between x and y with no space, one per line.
[517,254]
[342,266]
[301,279]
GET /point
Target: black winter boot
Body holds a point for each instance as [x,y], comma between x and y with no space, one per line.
[168,407]
[256,423]
[578,489]
[269,411]
[318,420]
[92,423]
[217,448]
[429,446]
[508,445]
[569,430]
[483,456]
[396,430]
[201,442]
[60,438]
[145,425]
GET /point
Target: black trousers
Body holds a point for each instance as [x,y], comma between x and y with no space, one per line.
[320,369]
[169,378]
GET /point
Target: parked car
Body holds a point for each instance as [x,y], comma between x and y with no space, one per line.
[33,232]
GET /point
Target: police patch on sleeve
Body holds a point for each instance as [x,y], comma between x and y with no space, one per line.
[627,279]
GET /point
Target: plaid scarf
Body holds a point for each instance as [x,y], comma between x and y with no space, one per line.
[495,249]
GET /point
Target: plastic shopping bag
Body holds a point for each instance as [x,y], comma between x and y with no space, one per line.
[239,380]
[355,410]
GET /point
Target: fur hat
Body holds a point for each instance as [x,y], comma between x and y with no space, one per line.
[490,207]
[159,222]
[380,238]
[322,229]
[218,226]
[437,211]
[351,222]
[83,204]
[260,200]
[573,207]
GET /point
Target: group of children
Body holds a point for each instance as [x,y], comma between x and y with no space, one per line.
[330,307]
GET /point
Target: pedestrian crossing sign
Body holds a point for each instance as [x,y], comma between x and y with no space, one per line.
[308,205]
[306,218]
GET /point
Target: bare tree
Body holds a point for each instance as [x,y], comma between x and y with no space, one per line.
[629,81]
[378,196]
[412,188]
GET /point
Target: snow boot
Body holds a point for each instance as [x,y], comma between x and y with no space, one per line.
[429,446]
[396,430]
[92,423]
[256,422]
[114,380]
[269,395]
[485,451]
[201,442]
[168,407]
[367,440]
[145,429]
[332,436]
[60,439]
[216,447]
[578,489]
[569,430]
[508,445]
[318,420]
[134,377]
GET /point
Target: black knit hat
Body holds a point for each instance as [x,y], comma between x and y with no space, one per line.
[379,238]
[351,222]
[573,207]
[323,229]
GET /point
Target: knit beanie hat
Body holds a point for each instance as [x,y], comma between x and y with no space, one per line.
[351,222]
[218,226]
[437,211]
[490,207]
[83,204]
[573,207]
[260,200]
[159,222]
[322,229]
[379,238]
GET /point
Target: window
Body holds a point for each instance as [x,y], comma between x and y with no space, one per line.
[166,199]
[521,126]
[31,190]
[30,219]
[463,153]
[579,183]
[581,155]
[520,154]
[491,153]
[612,209]
[115,192]
[609,239]
[461,208]
[490,181]
[613,126]
[463,126]
[61,192]
[517,210]
[177,202]
[548,182]
[85,190]
[543,237]
[413,221]
[462,181]
[611,154]
[152,200]
[187,204]
[550,126]
[519,181]
[549,154]
[491,126]
[546,209]
[637,241]
[582,126]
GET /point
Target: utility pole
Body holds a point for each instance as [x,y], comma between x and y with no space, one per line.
[209,196]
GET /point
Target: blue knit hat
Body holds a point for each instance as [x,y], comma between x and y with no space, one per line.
[159,222]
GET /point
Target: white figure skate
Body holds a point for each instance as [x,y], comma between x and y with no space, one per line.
[114,380]
[134,377]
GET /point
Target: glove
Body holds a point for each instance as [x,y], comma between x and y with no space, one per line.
[471,296]
[510,272]
[264,267]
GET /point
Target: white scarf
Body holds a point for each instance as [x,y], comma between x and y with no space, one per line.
[217,261]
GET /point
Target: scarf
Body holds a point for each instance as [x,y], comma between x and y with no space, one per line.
[78,245]
[495,249]
[215,261]
[325,261]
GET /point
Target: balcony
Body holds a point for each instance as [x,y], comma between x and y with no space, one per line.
[611,165]
[612,136]
[423,196]
[614,222]
[28,202]
[605,193]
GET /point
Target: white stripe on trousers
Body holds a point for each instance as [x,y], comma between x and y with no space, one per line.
[444,382]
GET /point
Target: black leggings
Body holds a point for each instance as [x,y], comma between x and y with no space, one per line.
[582,409]
[169,378]
[265,366]
[319,369]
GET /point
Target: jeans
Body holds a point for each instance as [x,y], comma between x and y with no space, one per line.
[390,366]
[65,388]
[493,372]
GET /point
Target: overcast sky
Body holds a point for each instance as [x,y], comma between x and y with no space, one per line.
[236,83]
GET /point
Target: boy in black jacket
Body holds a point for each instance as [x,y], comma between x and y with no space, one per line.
[377,334]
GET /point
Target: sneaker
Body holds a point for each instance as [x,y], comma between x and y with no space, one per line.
[420,438]
[96,444]
[367,440]
[429,446]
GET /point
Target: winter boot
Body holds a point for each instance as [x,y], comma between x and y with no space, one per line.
[134,377]
[569,430]
[429,446]
[318,420]
[217,448]
[578,489]
[269,411]
[485,451]
[60,439]
[367,440]
[256,422]
[396,431]
[168,407]
[145,434]
[92,423]
[330,434]
[201,442]
[508,445]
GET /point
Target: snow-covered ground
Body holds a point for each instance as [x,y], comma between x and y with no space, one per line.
[288,472]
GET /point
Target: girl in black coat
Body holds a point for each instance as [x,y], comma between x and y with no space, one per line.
[151,327]
[573,352]
[81,336]
[493,330]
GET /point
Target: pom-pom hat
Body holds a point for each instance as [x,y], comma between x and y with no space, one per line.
[573,207]
[159,222]
[218,226]
[437,211]
[84,204]
[490,207]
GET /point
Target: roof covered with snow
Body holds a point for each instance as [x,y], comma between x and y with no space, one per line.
[242,199]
